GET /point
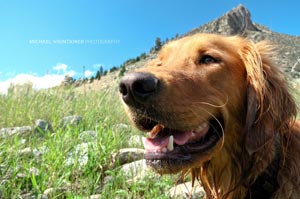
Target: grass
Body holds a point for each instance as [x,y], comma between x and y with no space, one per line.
[29,175]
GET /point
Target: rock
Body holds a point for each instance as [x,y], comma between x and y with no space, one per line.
[31,171]
[70,120]
[27,195]
[6,132]
[120,127]
[49,191]
[34,171]
[54,193]
[107,179]
[88,136]
[127,155]
[185,190]
[239,20]
[26,152]
[235,22]
[39,151]
[80,154]
[96,196]
[42,126]
[135,141]
[36,153]
[137,170]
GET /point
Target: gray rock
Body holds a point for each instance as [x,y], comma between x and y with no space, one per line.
[6,132]
[185,190]
[235,22]
[137,170]
[27,196]
[135,141]
[88,136]
[42,126]
[70,120]
[39,151]
[26,152]
[127,155]
[54,193]
[96,196]
[120,127]
[31,171]
[36,152]
[80,154]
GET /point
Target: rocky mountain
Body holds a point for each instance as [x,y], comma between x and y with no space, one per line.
[238,22]
[235,22]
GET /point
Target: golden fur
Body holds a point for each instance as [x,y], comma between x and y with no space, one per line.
[243,85]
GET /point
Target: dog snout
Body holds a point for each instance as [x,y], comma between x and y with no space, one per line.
[138,87]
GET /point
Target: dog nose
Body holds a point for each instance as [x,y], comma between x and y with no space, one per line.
[138,87]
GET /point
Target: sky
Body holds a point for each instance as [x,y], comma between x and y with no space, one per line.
[41,41]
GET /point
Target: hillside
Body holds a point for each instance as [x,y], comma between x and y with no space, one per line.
[235,22]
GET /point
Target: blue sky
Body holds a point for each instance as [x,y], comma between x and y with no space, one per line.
[58,37]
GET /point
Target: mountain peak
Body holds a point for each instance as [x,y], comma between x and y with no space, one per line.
[239,20]
[235,22]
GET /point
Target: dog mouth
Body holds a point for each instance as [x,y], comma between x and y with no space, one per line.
[169,150]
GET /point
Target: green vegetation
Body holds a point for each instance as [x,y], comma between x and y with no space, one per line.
[32,174]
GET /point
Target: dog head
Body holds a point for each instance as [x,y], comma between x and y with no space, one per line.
[204,93]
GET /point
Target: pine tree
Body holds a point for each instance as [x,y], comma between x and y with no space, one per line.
[158,44]
[122,71]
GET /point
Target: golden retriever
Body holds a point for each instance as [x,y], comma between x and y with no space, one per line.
[217,107]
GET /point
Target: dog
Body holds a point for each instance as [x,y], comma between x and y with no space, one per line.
[217,107]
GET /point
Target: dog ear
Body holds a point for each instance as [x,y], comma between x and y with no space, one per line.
[270,106]
[257,130]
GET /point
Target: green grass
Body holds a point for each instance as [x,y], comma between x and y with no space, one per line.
[100,111]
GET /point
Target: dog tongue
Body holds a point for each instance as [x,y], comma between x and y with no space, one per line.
[158,143]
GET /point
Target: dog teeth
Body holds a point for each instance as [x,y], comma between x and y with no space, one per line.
[171,143]
[164,150]
[156,129]
[201,127]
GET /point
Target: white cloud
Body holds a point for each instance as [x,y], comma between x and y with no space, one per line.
[43,82]
[70,73]
[38,82]
[63,69]
[88,73]
[60,67]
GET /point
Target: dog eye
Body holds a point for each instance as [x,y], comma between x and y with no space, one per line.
[207,59]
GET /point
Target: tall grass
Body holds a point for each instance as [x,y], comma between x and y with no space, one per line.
[31,174]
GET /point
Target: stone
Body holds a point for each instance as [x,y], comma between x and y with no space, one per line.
[53,193]
[80,154]
[26,152]
[95,196]
[36,153]
[239,20]
[70,120]
[127,155]
[29,173]
[137,170]
[42,126]
[87,136]
[185,190]
[135,141]
[120,127]
[6,132]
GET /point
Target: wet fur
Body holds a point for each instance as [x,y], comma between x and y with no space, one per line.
[253,97]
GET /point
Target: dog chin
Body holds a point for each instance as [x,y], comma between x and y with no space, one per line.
[170,151]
